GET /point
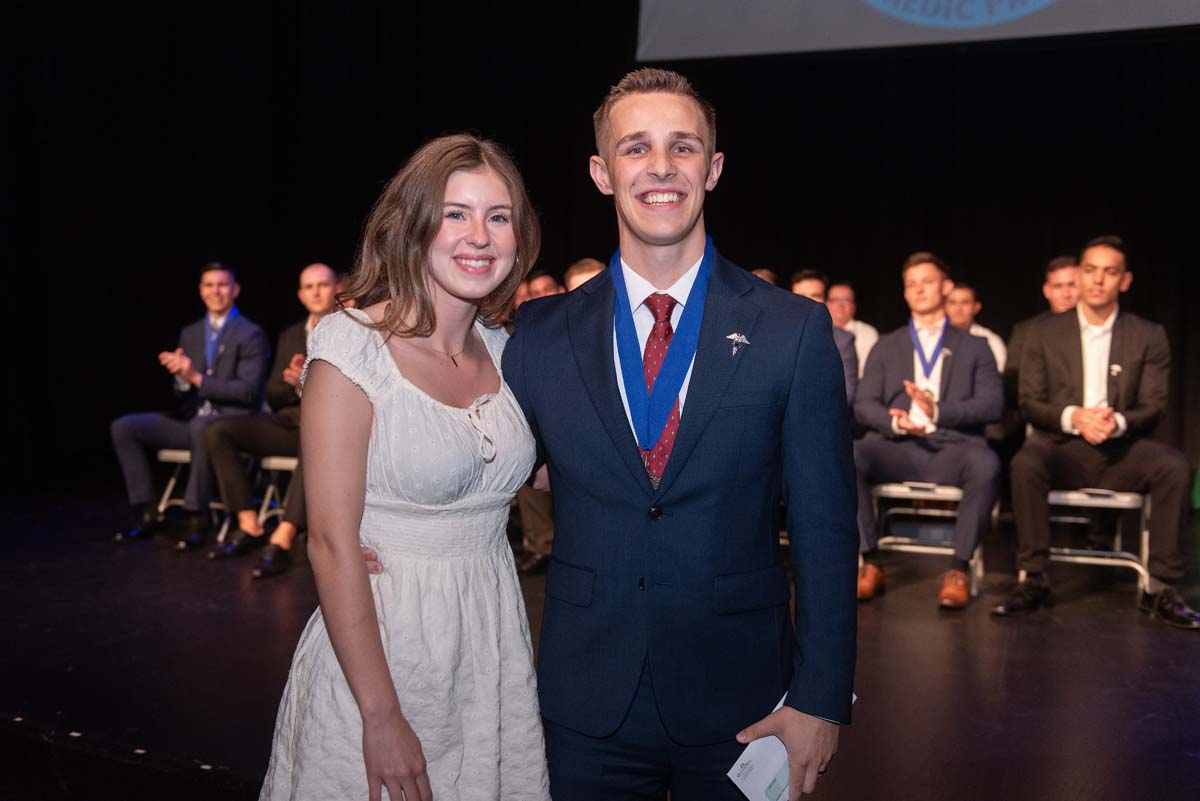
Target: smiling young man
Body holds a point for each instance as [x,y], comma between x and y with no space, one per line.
[927,393]
[219,368]
[1094,382]
[674,397]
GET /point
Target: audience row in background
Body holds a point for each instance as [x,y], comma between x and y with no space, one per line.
[1089,379]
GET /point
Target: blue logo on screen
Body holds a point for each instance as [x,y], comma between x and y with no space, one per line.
[958,13]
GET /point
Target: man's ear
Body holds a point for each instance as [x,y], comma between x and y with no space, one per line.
[235,291]
[947,287]
[714,171]
[978,309]
[1126,281]
[599,170]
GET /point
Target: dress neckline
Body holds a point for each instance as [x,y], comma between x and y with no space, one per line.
[404,381]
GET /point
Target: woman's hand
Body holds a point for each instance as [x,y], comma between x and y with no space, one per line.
[394,760]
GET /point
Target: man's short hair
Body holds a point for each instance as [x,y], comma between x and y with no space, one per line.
[1107,241]
[218,265]
[650,80]
[583,267]
[846,284]
[1060,263]
[810,275]
[968,287]
[925,257]
[536,274]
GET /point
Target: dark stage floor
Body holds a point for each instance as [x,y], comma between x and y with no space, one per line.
[137,647]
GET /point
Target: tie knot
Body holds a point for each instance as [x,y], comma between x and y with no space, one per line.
[661,305]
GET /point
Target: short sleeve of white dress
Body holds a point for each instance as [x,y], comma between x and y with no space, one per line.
[356,351]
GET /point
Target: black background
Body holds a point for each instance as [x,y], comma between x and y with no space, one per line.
[144,141]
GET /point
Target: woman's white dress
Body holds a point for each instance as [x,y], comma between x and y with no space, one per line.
[453,622]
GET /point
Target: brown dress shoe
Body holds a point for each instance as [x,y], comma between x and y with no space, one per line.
[956,592]
[870,581]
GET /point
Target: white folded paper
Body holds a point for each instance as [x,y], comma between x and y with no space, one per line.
[761,772]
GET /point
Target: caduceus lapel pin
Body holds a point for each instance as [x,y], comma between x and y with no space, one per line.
[739,341]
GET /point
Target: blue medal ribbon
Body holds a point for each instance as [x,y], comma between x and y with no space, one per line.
[212,339]
[648,408]
[927,364]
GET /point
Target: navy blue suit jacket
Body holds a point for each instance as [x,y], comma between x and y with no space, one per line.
[689,576]
[971,394]
[234,382]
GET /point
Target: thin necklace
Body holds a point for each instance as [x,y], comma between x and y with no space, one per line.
[451,356]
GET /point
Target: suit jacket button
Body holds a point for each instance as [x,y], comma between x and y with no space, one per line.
[655,512]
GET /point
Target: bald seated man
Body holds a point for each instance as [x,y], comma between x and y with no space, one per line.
[276,433]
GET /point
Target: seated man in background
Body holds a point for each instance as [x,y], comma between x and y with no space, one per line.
[962,307]
[766,274]
[1094,383]
[813,284]
[582,271]
[274,434]
[219,368]
[842,304]
[542,283]
[1061,290]
[927,393]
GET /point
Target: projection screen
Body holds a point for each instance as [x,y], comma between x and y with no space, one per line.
[681,29]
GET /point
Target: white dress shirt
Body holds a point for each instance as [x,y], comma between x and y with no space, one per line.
[999,351]
[639,289]
[928,337]
[1096,343]
[865,337]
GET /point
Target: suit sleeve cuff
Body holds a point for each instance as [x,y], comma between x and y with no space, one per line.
[1065,420]
[1122,426]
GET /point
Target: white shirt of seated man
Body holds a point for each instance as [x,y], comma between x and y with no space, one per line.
[930,385]
[1096,342]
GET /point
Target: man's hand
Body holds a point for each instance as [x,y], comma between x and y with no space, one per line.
[1095,425]
[372,559]
[291,373]
[810,742]
[921,398]
[905,423]
[179,363]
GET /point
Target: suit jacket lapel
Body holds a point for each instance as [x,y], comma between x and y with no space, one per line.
[949,348]
[725,312]
[1072,342]
[1117,350]
[590,326]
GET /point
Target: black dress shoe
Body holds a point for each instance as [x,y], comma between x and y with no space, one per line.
[275,560]
[237,543]
[196,536]
[1028,596]
[532,564]
[1168,606]
[140,533]
[147,526]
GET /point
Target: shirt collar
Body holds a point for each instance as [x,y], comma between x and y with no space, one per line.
[218,322]
[640,288]
[934,330]
[1096,330]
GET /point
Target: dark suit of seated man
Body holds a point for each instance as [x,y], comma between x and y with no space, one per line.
[1093,383]
[219,369]
[274,434]
[925,410]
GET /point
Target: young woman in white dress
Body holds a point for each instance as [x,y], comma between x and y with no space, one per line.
[419,679]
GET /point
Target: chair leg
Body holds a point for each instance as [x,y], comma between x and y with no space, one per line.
[268,496]
[165,501]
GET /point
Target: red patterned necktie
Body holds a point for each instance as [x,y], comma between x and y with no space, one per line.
[660,306]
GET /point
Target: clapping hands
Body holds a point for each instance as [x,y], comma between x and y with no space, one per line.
[179,364]
[291,373]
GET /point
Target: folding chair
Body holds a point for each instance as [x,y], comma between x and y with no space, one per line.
[1091,498]
[274,503]
[915,495]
